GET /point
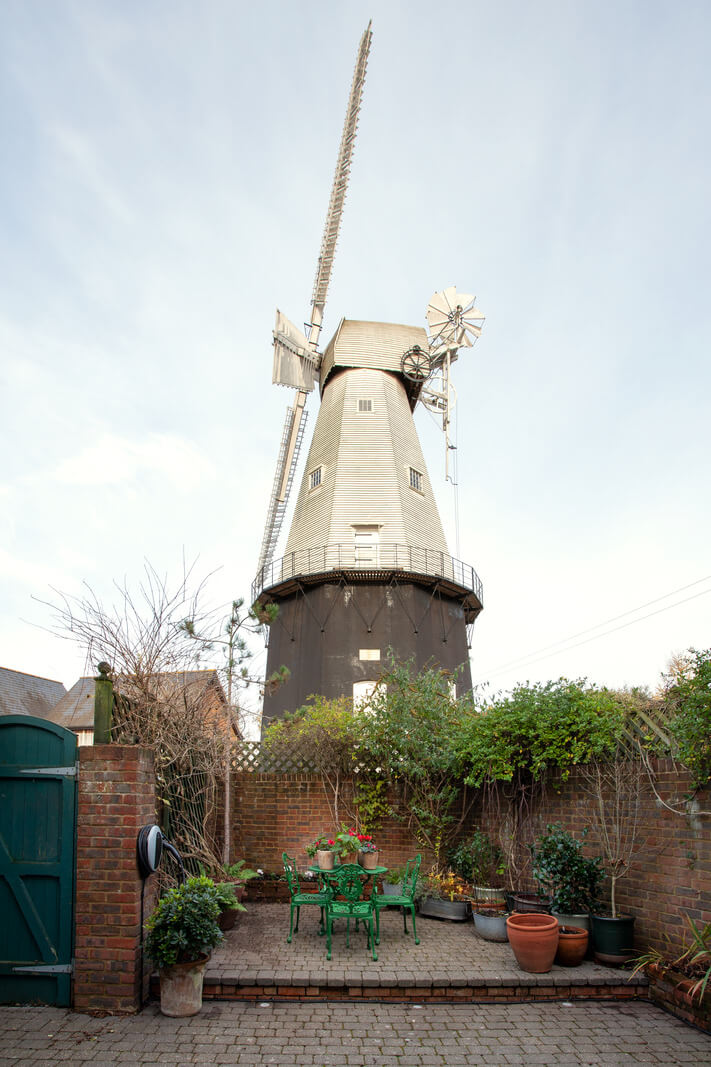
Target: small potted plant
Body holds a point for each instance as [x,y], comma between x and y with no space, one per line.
[182,931]
[326,849]
[392,881]
[367,852]
[232,891]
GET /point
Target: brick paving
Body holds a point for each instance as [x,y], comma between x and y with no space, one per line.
[356,1035]
[451,962]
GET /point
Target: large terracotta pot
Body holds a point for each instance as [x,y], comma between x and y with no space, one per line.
[572,946]
[534,939]
[368,860]
[181,988]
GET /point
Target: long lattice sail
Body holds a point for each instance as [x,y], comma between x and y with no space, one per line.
[340,182]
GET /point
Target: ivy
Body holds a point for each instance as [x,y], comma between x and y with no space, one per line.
[540,728]
[688,695]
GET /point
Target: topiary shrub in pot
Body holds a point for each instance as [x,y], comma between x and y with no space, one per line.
[182,931]
[570,879]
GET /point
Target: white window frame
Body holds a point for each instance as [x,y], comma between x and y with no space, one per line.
[416,480]
[364,405]
[315,478]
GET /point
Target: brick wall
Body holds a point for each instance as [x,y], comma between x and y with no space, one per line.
[273,813]
[672,876]
[116,797]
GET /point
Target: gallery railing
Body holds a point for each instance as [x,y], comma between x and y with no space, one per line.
[369,560]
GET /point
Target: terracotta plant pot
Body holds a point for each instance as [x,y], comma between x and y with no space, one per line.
[368,860]
[534,939]
[572,946]
[181,988]
[325,859]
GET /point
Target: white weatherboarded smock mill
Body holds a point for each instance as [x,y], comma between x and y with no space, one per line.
[366,567]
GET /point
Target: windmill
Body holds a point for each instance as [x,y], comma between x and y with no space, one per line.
[366,565]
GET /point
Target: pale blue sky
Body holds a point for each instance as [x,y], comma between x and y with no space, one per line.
[166,170]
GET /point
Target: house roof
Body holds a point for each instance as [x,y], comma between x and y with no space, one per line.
[75,711]
[27,694]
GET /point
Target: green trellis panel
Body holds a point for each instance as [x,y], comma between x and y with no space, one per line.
[37,843]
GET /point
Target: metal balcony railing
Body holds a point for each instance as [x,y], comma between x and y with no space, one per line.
[369,560]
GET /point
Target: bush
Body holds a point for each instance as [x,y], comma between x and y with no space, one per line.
[564,874]
[479,861]
[688,695]
[183,925]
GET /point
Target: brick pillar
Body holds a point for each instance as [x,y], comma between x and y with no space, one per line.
[116,797]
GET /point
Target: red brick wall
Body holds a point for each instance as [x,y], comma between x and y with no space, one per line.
[672,876]
[272,814]
[116,797]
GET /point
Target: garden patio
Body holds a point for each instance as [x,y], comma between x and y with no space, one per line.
[452,964]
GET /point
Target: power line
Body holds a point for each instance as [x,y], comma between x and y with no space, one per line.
[522,660]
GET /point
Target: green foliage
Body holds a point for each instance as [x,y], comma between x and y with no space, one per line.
[371,802]
[227,898]
[183,925]
[564,874]
[408,735]
[538,728]
[237,872]
[479,860]
[688,695]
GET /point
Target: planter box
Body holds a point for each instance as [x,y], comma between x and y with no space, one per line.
[454,910]
[672,991]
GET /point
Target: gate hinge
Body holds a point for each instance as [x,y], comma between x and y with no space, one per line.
[46,968]
[63,772]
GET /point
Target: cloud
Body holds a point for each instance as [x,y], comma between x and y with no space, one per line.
[113,460]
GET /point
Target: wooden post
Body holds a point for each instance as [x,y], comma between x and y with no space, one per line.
[103,705]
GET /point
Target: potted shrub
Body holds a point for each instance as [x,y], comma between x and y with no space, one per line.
[182,931]
[570,879]
[481,862]
[615,788]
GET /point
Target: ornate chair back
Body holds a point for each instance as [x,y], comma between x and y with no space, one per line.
[412,873]
[292,875]
[348,882]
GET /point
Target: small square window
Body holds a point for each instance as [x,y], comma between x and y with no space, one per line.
[315,478]
[416,480]
[365,404]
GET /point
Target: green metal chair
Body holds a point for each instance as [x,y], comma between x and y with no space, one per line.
[347,885]
[298,898]
[404,900]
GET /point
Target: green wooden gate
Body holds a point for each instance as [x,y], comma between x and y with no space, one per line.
[37,833]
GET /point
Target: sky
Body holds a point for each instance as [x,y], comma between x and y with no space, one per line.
[165,177]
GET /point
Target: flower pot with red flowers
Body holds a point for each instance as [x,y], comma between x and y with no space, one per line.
[367,852]
[533,936]
[325,850]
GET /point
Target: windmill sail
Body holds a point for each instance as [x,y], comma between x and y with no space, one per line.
[296,359]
